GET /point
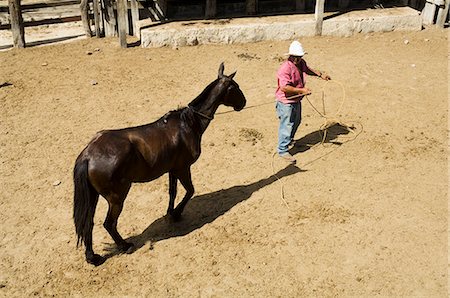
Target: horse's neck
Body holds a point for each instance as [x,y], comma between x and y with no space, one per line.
[207,103]
[208,109]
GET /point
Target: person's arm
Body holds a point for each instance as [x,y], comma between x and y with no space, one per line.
[285,83]
[313,72]
[291,91]
[318,73]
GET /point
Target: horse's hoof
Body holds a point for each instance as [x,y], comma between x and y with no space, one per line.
[96,260]
[126,247]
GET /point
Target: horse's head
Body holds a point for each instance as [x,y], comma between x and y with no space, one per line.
[233,94]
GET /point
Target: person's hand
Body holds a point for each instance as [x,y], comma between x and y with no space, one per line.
[305,91]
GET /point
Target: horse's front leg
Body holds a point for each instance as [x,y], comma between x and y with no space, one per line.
[172,192]
[186,181]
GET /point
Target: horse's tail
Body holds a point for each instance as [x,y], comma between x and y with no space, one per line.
[84,202]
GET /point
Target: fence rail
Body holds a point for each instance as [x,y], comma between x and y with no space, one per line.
[43,13]
[122,17]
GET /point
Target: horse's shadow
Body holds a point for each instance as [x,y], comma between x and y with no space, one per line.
[308,141]
[206,208]
[201,210]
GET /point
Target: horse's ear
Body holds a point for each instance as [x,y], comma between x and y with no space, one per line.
[231,76]
[221,68]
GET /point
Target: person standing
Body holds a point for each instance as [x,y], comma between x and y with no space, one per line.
[291,89]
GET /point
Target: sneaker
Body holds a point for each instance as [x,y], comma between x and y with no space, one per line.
[288,157]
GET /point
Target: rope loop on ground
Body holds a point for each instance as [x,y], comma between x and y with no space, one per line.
[329,121]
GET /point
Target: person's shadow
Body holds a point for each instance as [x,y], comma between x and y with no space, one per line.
[305,143]
[201,210]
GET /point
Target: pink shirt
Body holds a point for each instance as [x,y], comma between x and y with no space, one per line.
[289,74]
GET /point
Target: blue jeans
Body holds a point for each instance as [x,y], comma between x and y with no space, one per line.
[290,116]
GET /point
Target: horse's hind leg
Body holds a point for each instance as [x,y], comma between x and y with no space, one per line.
[172,192]
[115,204]
[186,180]
[91,257]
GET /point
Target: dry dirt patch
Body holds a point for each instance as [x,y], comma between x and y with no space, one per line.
[367,217]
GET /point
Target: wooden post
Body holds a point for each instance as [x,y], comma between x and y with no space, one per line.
[428,12]
[251,6]
[210,9]
[135,17]
[109,18]
[96,17]
[127,28]
[442,14]
[17,29]
[320,7]
[123,24]
[84,7]
[300,5]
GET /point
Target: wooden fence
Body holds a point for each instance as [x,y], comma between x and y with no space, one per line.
[112,17]
[435,11]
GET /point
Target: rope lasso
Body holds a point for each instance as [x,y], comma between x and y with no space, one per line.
[329,120]
[282,186]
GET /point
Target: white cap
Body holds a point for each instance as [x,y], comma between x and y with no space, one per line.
[296,49]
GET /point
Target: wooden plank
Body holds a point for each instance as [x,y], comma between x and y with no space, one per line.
[251,6]
[135,17]
[442,14]
[127,28]
[428,13]
[109,18]
[17,29]
[30,6]
[46,14]
[84,10]
[161,9]
[320,7]
[95,8]
[122,12]
[210,9]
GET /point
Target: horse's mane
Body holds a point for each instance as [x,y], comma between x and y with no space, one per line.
[204,93]
[186,114]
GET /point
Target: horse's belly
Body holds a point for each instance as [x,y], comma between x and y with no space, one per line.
[147,165]
[143,172]
[146,177]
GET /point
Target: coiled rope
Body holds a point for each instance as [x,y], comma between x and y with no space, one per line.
[329,121]
[332,119]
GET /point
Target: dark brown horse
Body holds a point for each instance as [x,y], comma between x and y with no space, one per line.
[114,159]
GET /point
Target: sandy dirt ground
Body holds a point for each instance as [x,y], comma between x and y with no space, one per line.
[364,214]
